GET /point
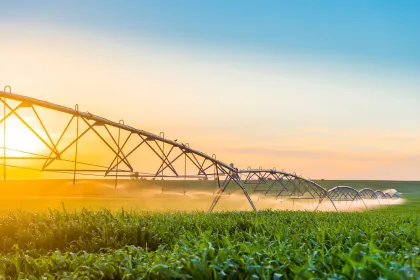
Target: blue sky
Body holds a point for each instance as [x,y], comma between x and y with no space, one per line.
[281,81]
[377,31]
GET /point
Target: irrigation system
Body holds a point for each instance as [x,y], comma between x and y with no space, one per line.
[128,152]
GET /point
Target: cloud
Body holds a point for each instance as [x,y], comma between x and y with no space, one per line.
[302,154]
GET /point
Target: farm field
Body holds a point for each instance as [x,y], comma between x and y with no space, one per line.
[150,140]
[60,242]
[156,195]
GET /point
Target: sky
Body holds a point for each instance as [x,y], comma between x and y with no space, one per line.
[326,89]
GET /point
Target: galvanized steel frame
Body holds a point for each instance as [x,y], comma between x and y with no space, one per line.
[345,193]
[367,193]
[283,184]
[167,151]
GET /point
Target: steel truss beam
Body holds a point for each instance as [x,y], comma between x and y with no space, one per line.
[345,193]
[367,194]
[171,154]
[283,184]
[232,176]
[380,195]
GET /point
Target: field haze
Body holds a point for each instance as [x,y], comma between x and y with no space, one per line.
[168,195]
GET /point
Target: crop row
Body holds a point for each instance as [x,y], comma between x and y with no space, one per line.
[266,244]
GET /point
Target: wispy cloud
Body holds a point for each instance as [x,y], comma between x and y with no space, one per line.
[302,154]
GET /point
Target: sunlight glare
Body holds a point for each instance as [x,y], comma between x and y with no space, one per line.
[19,137]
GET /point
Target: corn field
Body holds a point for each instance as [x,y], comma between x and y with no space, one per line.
[227,245]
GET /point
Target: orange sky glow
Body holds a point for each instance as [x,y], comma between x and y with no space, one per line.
[309,118]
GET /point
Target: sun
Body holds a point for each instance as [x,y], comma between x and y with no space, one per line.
[20,139]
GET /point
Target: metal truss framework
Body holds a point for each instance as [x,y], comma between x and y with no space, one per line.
[124,142]
[367,194]
[380,195]
[280,183]
[345,193]
[109,133]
